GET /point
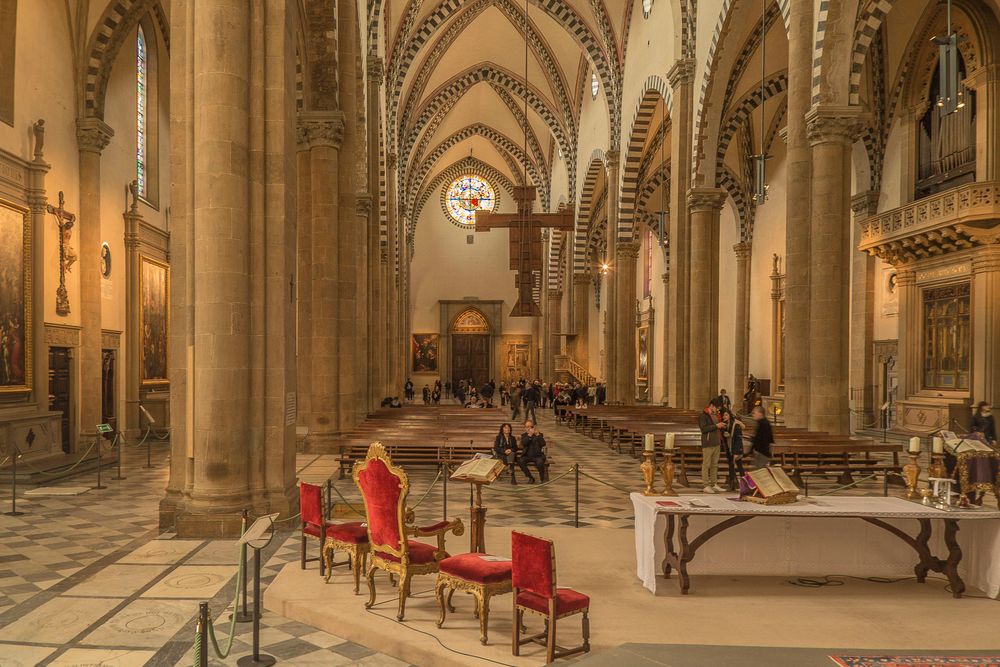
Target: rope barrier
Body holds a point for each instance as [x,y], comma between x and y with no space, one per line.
[198,641]
[288,518]
[198,647]
[534,487]
[848,486]
[601,481]
[61,472]
[346,501]
[428,492]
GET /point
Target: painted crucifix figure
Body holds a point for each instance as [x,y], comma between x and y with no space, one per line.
[67,256]
[525,242]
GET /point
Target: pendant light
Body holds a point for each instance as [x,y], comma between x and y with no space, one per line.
[950,96]
[760,159]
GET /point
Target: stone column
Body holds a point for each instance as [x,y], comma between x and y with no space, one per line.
[581,320]
[378,314]
[908,366]
[627,254]
[741,338]
[862,347]
[396,366]
[368,306]
[93,136]
[986,82]
[320,135]
[704,205]
[831,132]
[797,200]
[133,319]
[611,331]
[37,202]
[986,324]
[665,399]
[677,353]
[553,321]
[303,272]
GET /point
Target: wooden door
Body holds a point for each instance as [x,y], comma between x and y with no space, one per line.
[108,403]
[470,358]
[60,389]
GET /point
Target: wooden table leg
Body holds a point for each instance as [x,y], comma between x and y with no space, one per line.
[686,553]
[668,542]
[950,568]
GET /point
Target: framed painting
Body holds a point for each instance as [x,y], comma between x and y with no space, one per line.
[425,353]
[154,315]
[642,349]
[16,353]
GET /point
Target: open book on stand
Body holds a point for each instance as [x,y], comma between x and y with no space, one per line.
[769,486]
[957,445]
[480,468]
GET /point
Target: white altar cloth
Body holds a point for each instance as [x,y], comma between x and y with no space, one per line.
[789,543]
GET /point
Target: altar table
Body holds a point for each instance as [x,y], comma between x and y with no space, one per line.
[858,536]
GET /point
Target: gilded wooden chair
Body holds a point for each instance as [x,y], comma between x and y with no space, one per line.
[481,575]
[384,488]
[350,537]
[533,575]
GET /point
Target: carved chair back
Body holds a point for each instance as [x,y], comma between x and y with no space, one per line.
[311,504]
[533,564]
[384,488]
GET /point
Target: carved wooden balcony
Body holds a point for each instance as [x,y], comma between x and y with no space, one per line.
[956,219]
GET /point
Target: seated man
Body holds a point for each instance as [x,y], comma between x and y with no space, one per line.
[532,451]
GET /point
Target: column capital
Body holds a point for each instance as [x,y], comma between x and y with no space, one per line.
[742,250]
[906,277]
[705,199]
[390,160]
[93,135]
[611,158]
[834,124]
[864,204]
[627,250]
[319,128]
[363,204]
[581,278]
[376,69]
[681,72]
[555,294]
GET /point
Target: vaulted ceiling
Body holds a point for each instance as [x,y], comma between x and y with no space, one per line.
[456,85]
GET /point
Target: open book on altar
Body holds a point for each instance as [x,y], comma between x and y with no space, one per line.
[480,468]
[957,445]
[772,482]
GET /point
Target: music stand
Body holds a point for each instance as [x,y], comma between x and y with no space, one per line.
[257,536]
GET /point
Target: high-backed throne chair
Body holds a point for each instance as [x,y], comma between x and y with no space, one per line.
[384,488]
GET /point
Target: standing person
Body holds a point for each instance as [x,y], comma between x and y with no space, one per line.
[711,443]
[530,397]
[983,422]
[532,451]
[600,393]
[426,394]
[486,392]
[505,449]
[763,438]
[408,390]
[723,400]
[447,389]
[515,402]
[436,394]
[733,436]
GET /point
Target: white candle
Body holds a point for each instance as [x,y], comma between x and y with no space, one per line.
[669,440]
[937,445]
[914,445]
[648,442]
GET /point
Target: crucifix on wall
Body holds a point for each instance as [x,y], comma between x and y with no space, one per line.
[67,256]
[525,242]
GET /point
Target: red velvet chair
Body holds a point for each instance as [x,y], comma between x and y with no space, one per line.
[535,591]
[384,488]
[477,574]
[350,538]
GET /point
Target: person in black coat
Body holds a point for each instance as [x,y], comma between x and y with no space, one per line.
[532,451]
[505,449]
[983,422]
[762,439]
[600,393]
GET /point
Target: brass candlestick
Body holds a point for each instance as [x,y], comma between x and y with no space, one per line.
[648,468]
[911,473]
[667,472]
[937,468]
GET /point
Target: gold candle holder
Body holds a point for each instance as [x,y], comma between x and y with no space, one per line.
[667,472]
[937,468]
[648,468]
[911,473]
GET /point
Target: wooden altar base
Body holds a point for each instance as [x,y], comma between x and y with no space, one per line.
[601,563]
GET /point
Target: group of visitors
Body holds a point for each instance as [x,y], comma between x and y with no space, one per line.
[529,448]
[722,433]
[432,396]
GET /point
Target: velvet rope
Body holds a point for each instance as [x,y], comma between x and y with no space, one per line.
[17,452]
[533,487]
[232,623]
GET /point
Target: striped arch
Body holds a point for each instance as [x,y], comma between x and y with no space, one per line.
[501,141]
[583,214]
[738,116]
[117,23]
[522,121]
[466,164]
[555,252]
[454,88]
[655,90]
[744,211]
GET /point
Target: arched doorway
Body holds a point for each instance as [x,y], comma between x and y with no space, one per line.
[470,347]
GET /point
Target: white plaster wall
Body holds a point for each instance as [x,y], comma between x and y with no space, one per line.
[651,44]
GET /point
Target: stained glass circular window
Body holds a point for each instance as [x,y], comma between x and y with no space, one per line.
[466,195]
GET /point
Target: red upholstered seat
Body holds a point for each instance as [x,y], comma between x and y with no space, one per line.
[420,553]
[567,601]
[353,532]
[472,567]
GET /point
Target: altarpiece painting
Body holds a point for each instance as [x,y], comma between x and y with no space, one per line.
[154,294]
[16,356]
[425,353]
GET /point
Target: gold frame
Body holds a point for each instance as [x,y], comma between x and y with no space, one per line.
[482,593]
[639,331]
[144,381]
[404,518]
[28,322]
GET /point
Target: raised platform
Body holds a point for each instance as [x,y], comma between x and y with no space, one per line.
[601,563]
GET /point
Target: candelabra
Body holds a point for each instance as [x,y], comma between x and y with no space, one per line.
[648,468]
[911,473]
[937,468]
[667,472]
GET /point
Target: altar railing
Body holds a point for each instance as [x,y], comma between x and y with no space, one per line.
[959,218]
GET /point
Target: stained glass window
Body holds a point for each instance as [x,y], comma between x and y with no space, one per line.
[466,195]
[647,6]
[947,337]
[595,85]
[141,73]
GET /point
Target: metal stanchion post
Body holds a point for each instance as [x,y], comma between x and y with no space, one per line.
[119,438]
[257,658]
[576,474]
[13,485]
[203,622]
[149,450]
[242,615]
[99,466]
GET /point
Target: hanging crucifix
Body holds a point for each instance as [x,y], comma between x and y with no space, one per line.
[67,256]
[525,242]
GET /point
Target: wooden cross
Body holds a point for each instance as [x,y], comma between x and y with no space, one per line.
[65,220]
[525,242]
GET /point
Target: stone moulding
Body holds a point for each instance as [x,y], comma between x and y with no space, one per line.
[956,219]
